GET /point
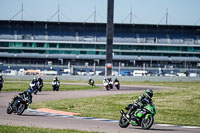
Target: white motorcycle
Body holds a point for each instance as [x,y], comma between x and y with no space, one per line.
[55,85]
[108,85]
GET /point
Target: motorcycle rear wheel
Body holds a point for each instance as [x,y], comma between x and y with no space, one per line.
[21,109]
[147,123]
[123,123]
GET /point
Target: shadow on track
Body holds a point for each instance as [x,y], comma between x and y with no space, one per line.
[28,115]
[158,129]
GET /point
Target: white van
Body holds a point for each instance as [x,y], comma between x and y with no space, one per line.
[139,73]
[180,74]
[192,75]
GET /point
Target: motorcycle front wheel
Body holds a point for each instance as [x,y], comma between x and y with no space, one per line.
[9,109]
[123,123]
[35,92]
[21,109]
[147,123]
[117,87]
[107,88]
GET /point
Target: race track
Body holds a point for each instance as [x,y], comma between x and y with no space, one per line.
[49,121]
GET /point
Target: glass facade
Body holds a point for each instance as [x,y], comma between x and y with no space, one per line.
[99,49]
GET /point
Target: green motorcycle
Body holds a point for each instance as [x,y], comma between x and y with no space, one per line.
[144,116]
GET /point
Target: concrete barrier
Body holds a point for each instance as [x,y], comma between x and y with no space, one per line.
[100,78]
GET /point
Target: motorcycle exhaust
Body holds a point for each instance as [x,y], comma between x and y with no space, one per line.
[122,111]
[123,114]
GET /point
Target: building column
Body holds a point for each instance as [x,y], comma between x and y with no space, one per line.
[109,36]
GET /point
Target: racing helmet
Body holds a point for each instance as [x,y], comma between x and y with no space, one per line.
[35,78]
[30,90]
[148,93]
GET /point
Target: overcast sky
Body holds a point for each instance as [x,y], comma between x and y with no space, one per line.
[180,12]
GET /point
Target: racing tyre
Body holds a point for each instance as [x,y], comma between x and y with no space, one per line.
[123,123]
[9,109]
[147,123]
[117,87]
[21,109]
[107,88]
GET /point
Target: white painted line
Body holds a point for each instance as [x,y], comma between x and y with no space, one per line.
[168,125]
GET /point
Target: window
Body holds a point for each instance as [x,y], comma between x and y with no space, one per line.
[52,45]
[4,44]
[40,45]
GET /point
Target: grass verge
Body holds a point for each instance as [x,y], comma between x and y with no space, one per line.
[20,86]
[22,129]
[175,106]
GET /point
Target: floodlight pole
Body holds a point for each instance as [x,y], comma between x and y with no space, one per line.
[22,12]
[109,38]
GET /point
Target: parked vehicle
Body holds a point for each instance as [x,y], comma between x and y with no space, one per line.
[192,74]
[139,73]
[126,73]
[10,72]
[50,71]
[181,74]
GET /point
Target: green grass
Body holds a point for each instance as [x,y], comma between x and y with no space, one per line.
[20,86]
[14,129]
[179,84]
[175,106]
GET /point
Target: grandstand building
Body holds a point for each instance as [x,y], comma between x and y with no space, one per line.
[64,43]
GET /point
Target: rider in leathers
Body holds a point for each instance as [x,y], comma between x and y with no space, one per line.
[148,94]
[34,84]
[27,94]
[55,84]
[1,82]
[40,82]
[91,81]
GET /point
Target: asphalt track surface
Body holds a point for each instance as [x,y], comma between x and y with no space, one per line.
[48,121]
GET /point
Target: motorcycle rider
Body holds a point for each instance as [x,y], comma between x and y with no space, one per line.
[105,80]
[109,79]
[91,81]
[55,84]
[40,82]
[148,94]
[116,80]
[34,84]
[1,82]
[26,94]
[116,83]
[110,83]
